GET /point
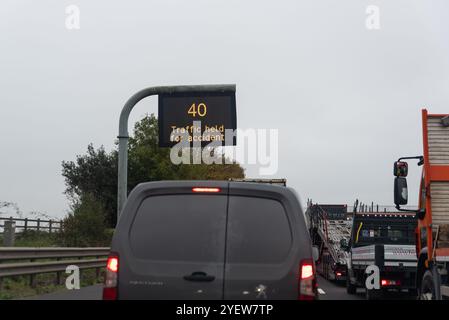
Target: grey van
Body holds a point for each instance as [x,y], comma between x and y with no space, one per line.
[211,240]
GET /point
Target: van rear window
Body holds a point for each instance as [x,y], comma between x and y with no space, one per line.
[258,231]
[180,227]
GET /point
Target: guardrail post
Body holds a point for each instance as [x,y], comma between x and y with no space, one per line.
[9,233]
[81,270]
[25,225]
[58,275]
[49,226]
[32,278]
[58,278]
[38,224]
[97,270]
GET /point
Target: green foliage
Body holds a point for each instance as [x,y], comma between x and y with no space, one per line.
[19,287]
[85,226]
[34,238]
[95,173]
[148,162]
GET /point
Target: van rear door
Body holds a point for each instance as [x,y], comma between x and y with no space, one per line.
[262,260]
[175,243]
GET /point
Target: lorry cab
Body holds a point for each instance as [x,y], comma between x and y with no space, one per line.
[386,240]
[432,232]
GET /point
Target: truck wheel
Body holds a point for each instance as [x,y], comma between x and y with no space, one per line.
[427,291]
[350,288]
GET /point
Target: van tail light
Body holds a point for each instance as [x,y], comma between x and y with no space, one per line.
[307,281]
[111,278]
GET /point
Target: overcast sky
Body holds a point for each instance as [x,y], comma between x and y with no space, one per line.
[346,99]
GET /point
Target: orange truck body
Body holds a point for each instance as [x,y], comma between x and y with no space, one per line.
[434,195]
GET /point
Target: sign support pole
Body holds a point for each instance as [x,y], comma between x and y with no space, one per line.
[122,191]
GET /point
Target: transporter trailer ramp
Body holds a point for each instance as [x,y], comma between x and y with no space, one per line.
[330,231]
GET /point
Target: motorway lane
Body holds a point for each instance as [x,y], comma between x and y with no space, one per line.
[336,291]
[328,291]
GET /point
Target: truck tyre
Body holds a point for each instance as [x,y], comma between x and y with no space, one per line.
[350,288]
[427,290]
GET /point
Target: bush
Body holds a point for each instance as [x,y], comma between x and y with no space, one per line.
[85,226]
[34,238]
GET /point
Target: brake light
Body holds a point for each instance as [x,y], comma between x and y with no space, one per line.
[306,271]
[112,264]
[307,280]
[386,282]
[338,274]
[111,278]
[204,189]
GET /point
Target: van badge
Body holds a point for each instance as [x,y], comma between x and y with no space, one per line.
[261,293]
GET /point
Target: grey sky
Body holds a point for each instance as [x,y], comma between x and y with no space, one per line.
[346,99]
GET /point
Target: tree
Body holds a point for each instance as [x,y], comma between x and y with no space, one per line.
[86,225]
[95,173]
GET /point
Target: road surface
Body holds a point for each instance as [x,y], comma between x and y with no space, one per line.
[327,290]
[336,291]
[86,293]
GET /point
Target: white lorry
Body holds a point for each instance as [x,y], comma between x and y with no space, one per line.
[385,240]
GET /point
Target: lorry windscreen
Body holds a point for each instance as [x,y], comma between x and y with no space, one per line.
[383,232]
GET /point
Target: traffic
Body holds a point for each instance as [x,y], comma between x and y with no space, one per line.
[250,239]
[225,159]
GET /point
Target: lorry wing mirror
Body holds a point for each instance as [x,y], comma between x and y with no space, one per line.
[400,169]
[400,191]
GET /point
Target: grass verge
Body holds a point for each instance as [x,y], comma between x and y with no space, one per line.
[19,287]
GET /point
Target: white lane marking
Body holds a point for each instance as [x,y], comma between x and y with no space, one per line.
[321,291]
